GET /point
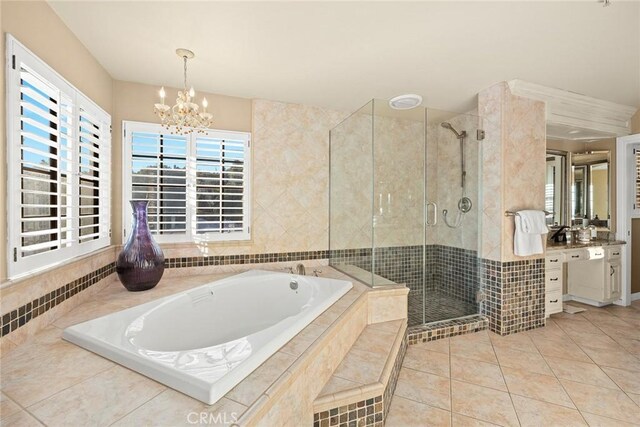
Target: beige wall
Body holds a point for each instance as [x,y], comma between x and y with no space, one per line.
[635,123]
[134,102]
[513,176]
[34,24]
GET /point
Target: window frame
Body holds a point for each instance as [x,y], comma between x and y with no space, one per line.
[18,265]
[190,235]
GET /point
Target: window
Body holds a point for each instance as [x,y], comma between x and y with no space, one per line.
[58,154]
[197,185]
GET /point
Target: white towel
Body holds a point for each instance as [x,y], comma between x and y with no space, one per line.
[527,239]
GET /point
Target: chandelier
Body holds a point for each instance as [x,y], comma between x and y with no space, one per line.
[184,117]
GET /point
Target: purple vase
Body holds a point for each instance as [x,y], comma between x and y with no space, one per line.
[140,265]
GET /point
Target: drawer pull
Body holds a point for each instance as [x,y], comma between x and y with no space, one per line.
[575,256]
[554,280]
[554,301]
[616,253]
[555,260]
[598,254]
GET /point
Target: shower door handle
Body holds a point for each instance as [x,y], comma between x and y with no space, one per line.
[435,214]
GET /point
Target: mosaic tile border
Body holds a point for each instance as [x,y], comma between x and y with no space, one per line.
[390,388]
[22,315]
[369,412]
[206,261]
[513,294]
[446,329]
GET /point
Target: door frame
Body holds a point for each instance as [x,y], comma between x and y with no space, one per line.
[624,210]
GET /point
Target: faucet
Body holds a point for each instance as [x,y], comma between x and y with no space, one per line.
[300,270]
[560,235]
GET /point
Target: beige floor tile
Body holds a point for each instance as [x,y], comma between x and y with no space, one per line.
[7,407]
[600,421]
[602,401]
[519,341]
[458,420]
[336,384]
[303,340]
[629,344]
[480,337]
[54,367]
[536,386]
[259,380]
[171,408]
[375,341]
[587,373]
[440,346]
[391,326]
[594,340]
[628,381]
[550,331]
[473,350]
[523,360]
[483,403]
[533,413]
[426,361]
[634,397]
[573,326]
[408,413]
[361,366]
[613,358]
[476,372]
[426,388]
[100,400]
[20,419]
[564,349]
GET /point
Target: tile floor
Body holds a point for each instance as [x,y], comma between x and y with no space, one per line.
[579,370]
[437,306]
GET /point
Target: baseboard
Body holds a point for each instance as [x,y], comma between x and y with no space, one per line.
[635,297]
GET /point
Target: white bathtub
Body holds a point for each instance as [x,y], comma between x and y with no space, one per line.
[204,341]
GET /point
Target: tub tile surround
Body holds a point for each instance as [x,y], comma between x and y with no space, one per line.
[55,381]
[539,377]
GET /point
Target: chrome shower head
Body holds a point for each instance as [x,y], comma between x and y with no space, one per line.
[459,135]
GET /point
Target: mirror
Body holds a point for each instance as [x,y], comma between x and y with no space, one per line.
[578,186]
[555,187]
[590,193]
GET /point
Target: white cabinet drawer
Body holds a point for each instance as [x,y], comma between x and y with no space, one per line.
[553,280]
[578,255]
[614,252]
[553,302]
[554,261]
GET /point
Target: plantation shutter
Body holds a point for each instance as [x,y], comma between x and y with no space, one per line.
[94,173]
[45,160]
[58,167]
[197,185]
[221,183]
[159,174]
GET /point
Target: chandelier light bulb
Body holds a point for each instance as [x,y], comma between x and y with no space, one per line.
[192,92]
[205,104]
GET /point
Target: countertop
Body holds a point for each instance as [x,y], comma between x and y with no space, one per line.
[551,246]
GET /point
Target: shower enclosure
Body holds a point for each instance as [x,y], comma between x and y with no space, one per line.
[404,197]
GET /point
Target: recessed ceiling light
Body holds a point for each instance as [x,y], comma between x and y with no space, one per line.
[405,102]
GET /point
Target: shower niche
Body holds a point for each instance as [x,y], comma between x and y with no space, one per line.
[404,197]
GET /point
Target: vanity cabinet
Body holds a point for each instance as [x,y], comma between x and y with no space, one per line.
[553,282]
[595,278]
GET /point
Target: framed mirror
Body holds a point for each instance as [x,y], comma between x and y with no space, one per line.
[556,187]
[591,188]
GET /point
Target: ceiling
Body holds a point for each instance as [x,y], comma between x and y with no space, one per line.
[341,54]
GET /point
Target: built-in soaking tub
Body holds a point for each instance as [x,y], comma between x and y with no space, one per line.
[206,340]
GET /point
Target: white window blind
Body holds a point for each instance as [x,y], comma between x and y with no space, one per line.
[59,169]
[198,185]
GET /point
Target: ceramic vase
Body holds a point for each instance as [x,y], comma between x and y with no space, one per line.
[140,264]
